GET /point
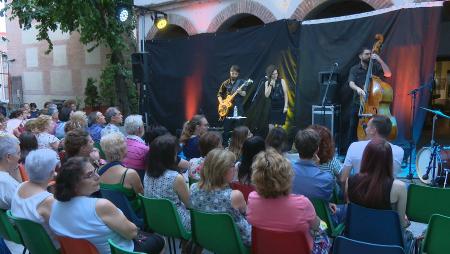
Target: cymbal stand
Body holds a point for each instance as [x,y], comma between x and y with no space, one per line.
[412,143]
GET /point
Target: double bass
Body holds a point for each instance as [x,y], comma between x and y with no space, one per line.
[378,99]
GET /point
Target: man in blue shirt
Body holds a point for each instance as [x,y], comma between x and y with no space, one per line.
[309,180]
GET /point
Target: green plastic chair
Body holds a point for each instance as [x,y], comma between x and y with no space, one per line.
[216,232]
[436,238]
[7,230]
[115,249]
[100,150]
[321,207]
[192,181]
[161,216]
[424,201]
[34,236]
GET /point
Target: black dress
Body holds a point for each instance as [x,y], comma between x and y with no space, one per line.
[276,115]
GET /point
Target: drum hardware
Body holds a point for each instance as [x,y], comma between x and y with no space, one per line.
[437,155]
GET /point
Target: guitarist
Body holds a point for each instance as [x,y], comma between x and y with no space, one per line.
[356,79]
[230,86]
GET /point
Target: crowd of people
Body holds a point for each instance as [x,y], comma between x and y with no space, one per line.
[53,162]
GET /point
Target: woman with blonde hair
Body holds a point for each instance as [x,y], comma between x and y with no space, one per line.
[272,177]
[42,127]
[78,120]
[239,135]
[213,193]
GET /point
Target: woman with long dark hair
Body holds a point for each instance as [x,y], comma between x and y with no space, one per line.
[374,186]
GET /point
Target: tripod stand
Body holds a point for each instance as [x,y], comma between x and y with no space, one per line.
[432,163]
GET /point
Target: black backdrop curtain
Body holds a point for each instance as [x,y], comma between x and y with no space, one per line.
[410,46]
[186,73]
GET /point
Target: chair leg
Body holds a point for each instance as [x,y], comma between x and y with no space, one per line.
[24,250]
[174,246]
[170,245]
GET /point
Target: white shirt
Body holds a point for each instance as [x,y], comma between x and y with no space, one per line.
[355,153]
[45,140]
[12,124]
[8,186]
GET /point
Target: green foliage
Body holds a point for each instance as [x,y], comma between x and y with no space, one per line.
[91,93]
[95,21]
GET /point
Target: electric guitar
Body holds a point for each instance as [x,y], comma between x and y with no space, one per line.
[227,103]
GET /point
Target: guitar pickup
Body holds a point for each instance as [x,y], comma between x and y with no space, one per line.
[365,115]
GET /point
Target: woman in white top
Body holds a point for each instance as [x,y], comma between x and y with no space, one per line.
[31,200]
[42,128]
[93,219]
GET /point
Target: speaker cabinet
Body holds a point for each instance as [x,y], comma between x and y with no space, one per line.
[140,67]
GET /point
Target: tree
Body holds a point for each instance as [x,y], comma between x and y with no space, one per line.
[95,21]
[91,93]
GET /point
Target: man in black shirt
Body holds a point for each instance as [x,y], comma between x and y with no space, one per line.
[230,86]
[356,80]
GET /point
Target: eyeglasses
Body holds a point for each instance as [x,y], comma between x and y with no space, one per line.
[91,174]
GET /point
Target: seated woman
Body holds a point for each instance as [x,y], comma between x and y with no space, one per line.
[278,140]
[162,179]
[114,175]
[77,215]
[250,149]
[328,160]
[213,194]
[208,141]
[28,143]
[190,137]
[238,137]
[374,186]
[32,201]
[137,150]
[42,125]
[272,176]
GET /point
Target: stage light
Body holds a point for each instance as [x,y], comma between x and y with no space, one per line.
[161,22]
[123,13]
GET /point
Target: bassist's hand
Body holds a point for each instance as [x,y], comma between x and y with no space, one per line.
[361,92]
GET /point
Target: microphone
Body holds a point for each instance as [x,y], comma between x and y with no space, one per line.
[336,64]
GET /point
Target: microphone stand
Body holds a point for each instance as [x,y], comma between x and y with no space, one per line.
[326,92]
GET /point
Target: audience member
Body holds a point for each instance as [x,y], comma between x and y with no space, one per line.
[31,200]
[26,110]
[42,125]
[78,120]
[116,176]
[137,150]
[250,149]
[34,112]
[272,177]
[328,161]
[278,140]
[207,142]
[374,186]
[378,127]
[96,124]
[28,143]
[239,135]
[71,104]
[3,125]
[190,137]
[79,143]
[15,122]
[9,173]
[97,219]
[114,119]
[309,180]
[213,194]
[63,116]
[162,180]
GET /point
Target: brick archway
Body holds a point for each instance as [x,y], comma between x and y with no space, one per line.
[308,5]
[241,7]
[174,19]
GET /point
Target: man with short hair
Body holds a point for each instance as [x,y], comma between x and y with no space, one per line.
[309,180]
[379,126]
[114,119]
[231,85]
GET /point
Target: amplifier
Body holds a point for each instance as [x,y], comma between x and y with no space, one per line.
[328,116]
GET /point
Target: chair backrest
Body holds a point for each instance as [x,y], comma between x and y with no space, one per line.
[100,150]
[120,200]
[115,249]
[244,188]
[34,236]
[436,239]
[7,230]
[216,232]
[76,246]
[373,226]
[424,201]
[268,242]
[343,245]
[192,181]
[162,217]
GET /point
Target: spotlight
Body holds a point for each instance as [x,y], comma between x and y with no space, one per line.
[161,22]
[123,13]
